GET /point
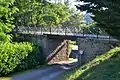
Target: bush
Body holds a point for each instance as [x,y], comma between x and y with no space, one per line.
[11,54]
[34,59]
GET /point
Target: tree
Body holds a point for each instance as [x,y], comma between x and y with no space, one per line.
[11,53]
[75,20]
[54,14]
[33,12]
[6,19]
[106,14]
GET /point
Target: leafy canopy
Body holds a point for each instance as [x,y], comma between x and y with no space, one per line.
[6,24]
[106,14]
[75,20]
[33,12]
[11,53]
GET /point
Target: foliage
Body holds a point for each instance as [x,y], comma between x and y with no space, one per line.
[106,14]
[33,12]
[11,55]
[76,20]
[31,61]
[6,24]
[71,43]
[78,71]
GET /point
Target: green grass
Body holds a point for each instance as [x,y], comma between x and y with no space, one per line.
[71,43]
[104,67]
[5,78]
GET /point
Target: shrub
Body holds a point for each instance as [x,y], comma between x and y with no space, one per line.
[34,59]
[11,54]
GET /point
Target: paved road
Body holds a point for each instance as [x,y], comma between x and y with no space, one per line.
[48,73]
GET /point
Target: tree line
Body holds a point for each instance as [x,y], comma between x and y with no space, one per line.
[106,14]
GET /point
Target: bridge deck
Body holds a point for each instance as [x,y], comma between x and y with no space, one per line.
[58,31]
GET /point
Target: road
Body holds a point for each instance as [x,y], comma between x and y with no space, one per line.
[48,73]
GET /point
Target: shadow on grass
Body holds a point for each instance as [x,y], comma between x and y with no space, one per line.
[87,71]
[106,70]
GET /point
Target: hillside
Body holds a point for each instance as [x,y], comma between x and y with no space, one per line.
[104,67]
[107,70]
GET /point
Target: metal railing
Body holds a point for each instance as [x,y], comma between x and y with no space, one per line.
[49,30]
[69,31]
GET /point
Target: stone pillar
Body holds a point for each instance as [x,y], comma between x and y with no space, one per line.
[44,45]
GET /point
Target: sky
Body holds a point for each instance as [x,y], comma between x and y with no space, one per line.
[87,15]
[72,4]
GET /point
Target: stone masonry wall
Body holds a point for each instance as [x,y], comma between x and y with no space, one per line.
[93,48]
[61,53]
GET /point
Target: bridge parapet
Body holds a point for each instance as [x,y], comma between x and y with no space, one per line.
[63,31]
[50,30]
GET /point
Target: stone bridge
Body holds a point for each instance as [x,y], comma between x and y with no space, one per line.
[50,39]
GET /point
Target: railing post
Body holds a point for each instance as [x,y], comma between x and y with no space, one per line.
[65,31]
[97,35]
[74,30]
[57,30]
[109,39]
[83,32]
[28,29]
[41,29]
[50,30]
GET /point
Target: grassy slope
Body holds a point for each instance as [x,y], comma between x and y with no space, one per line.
[104,67]
[3,78]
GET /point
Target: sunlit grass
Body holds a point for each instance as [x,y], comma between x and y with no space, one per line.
[77,72]
[5,78]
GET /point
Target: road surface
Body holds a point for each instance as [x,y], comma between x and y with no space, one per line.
[48,73]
